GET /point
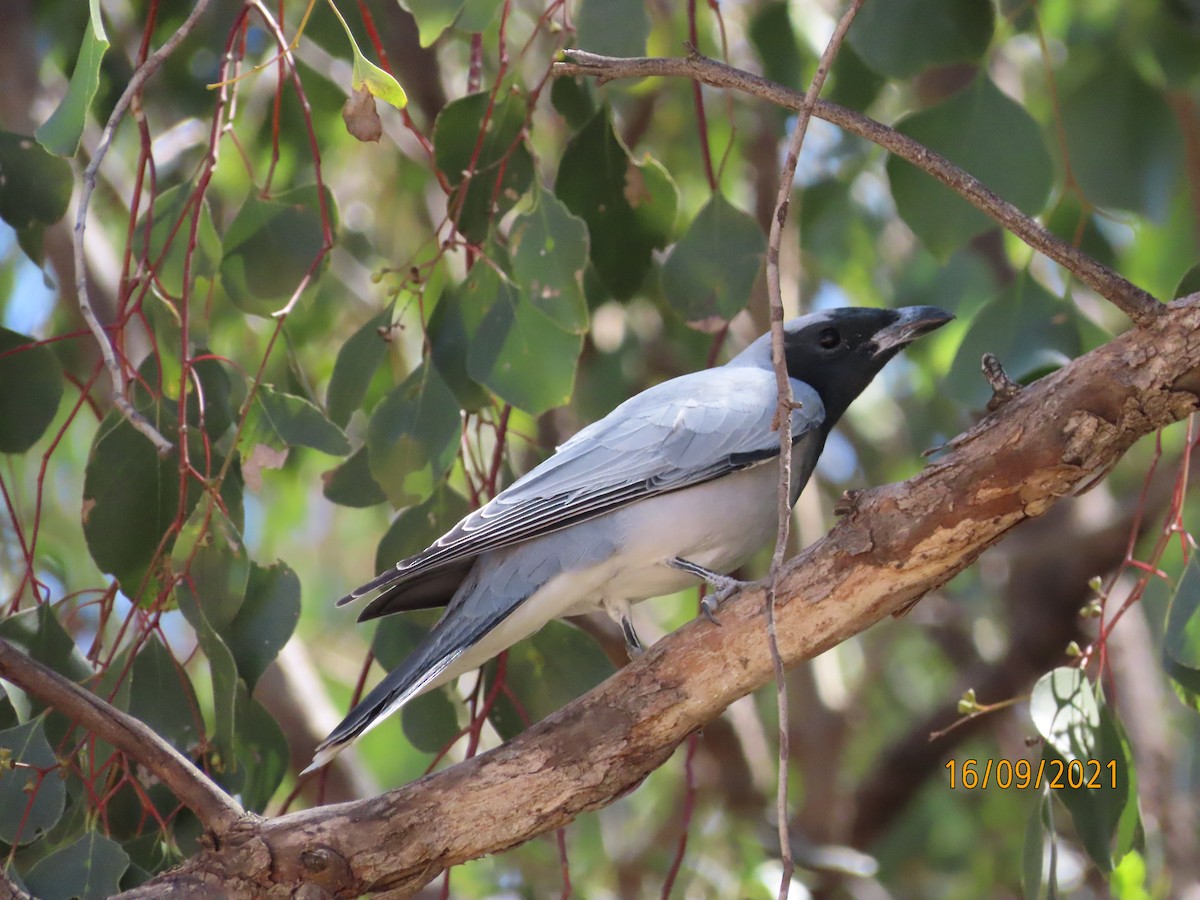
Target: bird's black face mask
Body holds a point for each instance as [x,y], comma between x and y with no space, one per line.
[840,353]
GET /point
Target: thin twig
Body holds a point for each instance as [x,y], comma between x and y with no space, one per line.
[88,186]
[783,419]
[216,810]
[1136,303]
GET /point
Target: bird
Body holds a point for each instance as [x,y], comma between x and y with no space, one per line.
[677,485]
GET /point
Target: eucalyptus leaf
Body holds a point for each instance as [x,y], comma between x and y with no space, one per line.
[31,387]
[629,207]
[413,437]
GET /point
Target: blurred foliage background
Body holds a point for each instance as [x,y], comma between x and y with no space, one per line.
[352,343]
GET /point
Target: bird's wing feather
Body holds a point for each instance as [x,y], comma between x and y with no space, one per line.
[682,432]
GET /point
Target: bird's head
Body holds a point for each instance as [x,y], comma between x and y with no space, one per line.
[838,351]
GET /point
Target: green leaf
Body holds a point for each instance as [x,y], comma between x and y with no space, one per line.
[503,166]
[1080,732]
[39,634]
[1027,328]
[60,134]
[354,368]
[216,393]
[574,99]
[1123,140]
[161,696]
[451,329]
[31,386]
[432,17]
[613,27]
[366,74]
[774,40]
[1032,855]
[29,803]
[215,569]
[477,15]
[130,499]
[351,484]
[262,753]
[266,620]
[270,246]
[166,250]
[1064,710]
[89,868]
[285,420]
[545,672]
[417,527]
[975,129]
[901,37]
[430,721]
[35,188]
[518,353]
[549,248]
[629,208]
[712,268]
[413,436]
[1181,637]
[1189,283]
[223,672]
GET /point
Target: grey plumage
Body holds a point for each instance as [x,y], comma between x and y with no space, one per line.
[679,474]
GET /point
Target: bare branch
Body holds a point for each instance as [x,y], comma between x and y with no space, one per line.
[111,363]
[783,419]
[898,543]
[1129,298]
[215,809]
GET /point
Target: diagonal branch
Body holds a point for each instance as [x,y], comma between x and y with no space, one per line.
[1053,439]
[1126,296]
[216,810]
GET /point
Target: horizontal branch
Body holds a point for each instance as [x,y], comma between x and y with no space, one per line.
[1055,438]
[1126,296]
[213,807]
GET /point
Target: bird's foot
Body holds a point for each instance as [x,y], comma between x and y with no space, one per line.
[723,587]
[848,502]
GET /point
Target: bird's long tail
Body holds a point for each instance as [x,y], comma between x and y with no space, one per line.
[430,664]
[397,688]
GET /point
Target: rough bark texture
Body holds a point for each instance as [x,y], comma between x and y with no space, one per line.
[1055,438]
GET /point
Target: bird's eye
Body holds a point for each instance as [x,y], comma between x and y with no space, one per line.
[829,338]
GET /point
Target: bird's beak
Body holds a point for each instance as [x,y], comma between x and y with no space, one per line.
[914,321]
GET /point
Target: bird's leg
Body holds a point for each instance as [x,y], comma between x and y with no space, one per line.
[633,643]
[620,613]
[723,586]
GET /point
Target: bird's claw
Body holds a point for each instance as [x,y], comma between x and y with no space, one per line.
[708,606]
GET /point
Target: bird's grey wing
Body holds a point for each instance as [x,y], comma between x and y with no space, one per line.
[680,433]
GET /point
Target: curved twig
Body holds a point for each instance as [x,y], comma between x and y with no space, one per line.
[88,186]
[783,417]
[1136,303]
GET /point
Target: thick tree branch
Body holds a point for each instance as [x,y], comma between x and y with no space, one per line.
[1056,437]
[1129,298]
[217,810]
